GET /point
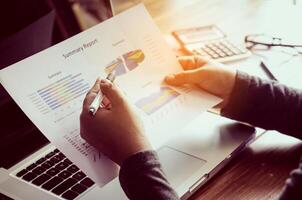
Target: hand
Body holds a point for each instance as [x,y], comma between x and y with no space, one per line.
[116,131]
[208,75]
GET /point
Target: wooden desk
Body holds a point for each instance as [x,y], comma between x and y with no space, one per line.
[260,171]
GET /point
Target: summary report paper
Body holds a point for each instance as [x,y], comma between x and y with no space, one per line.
[50,86]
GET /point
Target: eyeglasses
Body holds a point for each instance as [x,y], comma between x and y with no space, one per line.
[267,41]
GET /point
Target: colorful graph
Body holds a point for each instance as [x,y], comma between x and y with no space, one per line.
[125,63]
[63,91]
[155,101]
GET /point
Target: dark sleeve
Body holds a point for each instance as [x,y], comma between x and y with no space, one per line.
[266,104]
[142,177]
[293,187]
[269,105]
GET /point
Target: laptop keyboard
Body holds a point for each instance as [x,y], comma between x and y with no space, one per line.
[57,174]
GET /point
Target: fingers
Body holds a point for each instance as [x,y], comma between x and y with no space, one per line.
[192,62]
[192,75]
[106,103]
[91,94]
[112,93]
[96,87]
[185,77]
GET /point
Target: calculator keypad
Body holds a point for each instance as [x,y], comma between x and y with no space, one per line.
[218,49]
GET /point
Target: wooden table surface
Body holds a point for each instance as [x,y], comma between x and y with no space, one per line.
[261,170]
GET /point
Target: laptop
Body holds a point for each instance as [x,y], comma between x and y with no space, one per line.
[32,168]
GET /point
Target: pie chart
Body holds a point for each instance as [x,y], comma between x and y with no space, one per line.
[126,62]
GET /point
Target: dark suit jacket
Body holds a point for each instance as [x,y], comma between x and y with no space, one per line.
[264,104]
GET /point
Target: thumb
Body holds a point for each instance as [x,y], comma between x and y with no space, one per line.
[192,62]
[112,92]
[185,77]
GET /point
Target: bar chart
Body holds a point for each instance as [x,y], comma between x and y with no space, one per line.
[59,93]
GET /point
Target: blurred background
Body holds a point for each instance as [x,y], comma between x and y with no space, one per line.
[30,26]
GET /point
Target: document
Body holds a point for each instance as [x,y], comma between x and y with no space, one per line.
[50,86]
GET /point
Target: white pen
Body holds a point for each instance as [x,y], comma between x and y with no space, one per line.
[97,102]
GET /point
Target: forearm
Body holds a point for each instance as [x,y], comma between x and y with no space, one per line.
[141,177]
[265,104]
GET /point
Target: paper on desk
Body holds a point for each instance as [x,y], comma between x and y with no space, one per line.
[284,64]
[51,85]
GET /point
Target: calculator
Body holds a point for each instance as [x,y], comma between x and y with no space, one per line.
[211,42]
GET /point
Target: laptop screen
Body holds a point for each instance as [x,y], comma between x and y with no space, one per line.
[18,135]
